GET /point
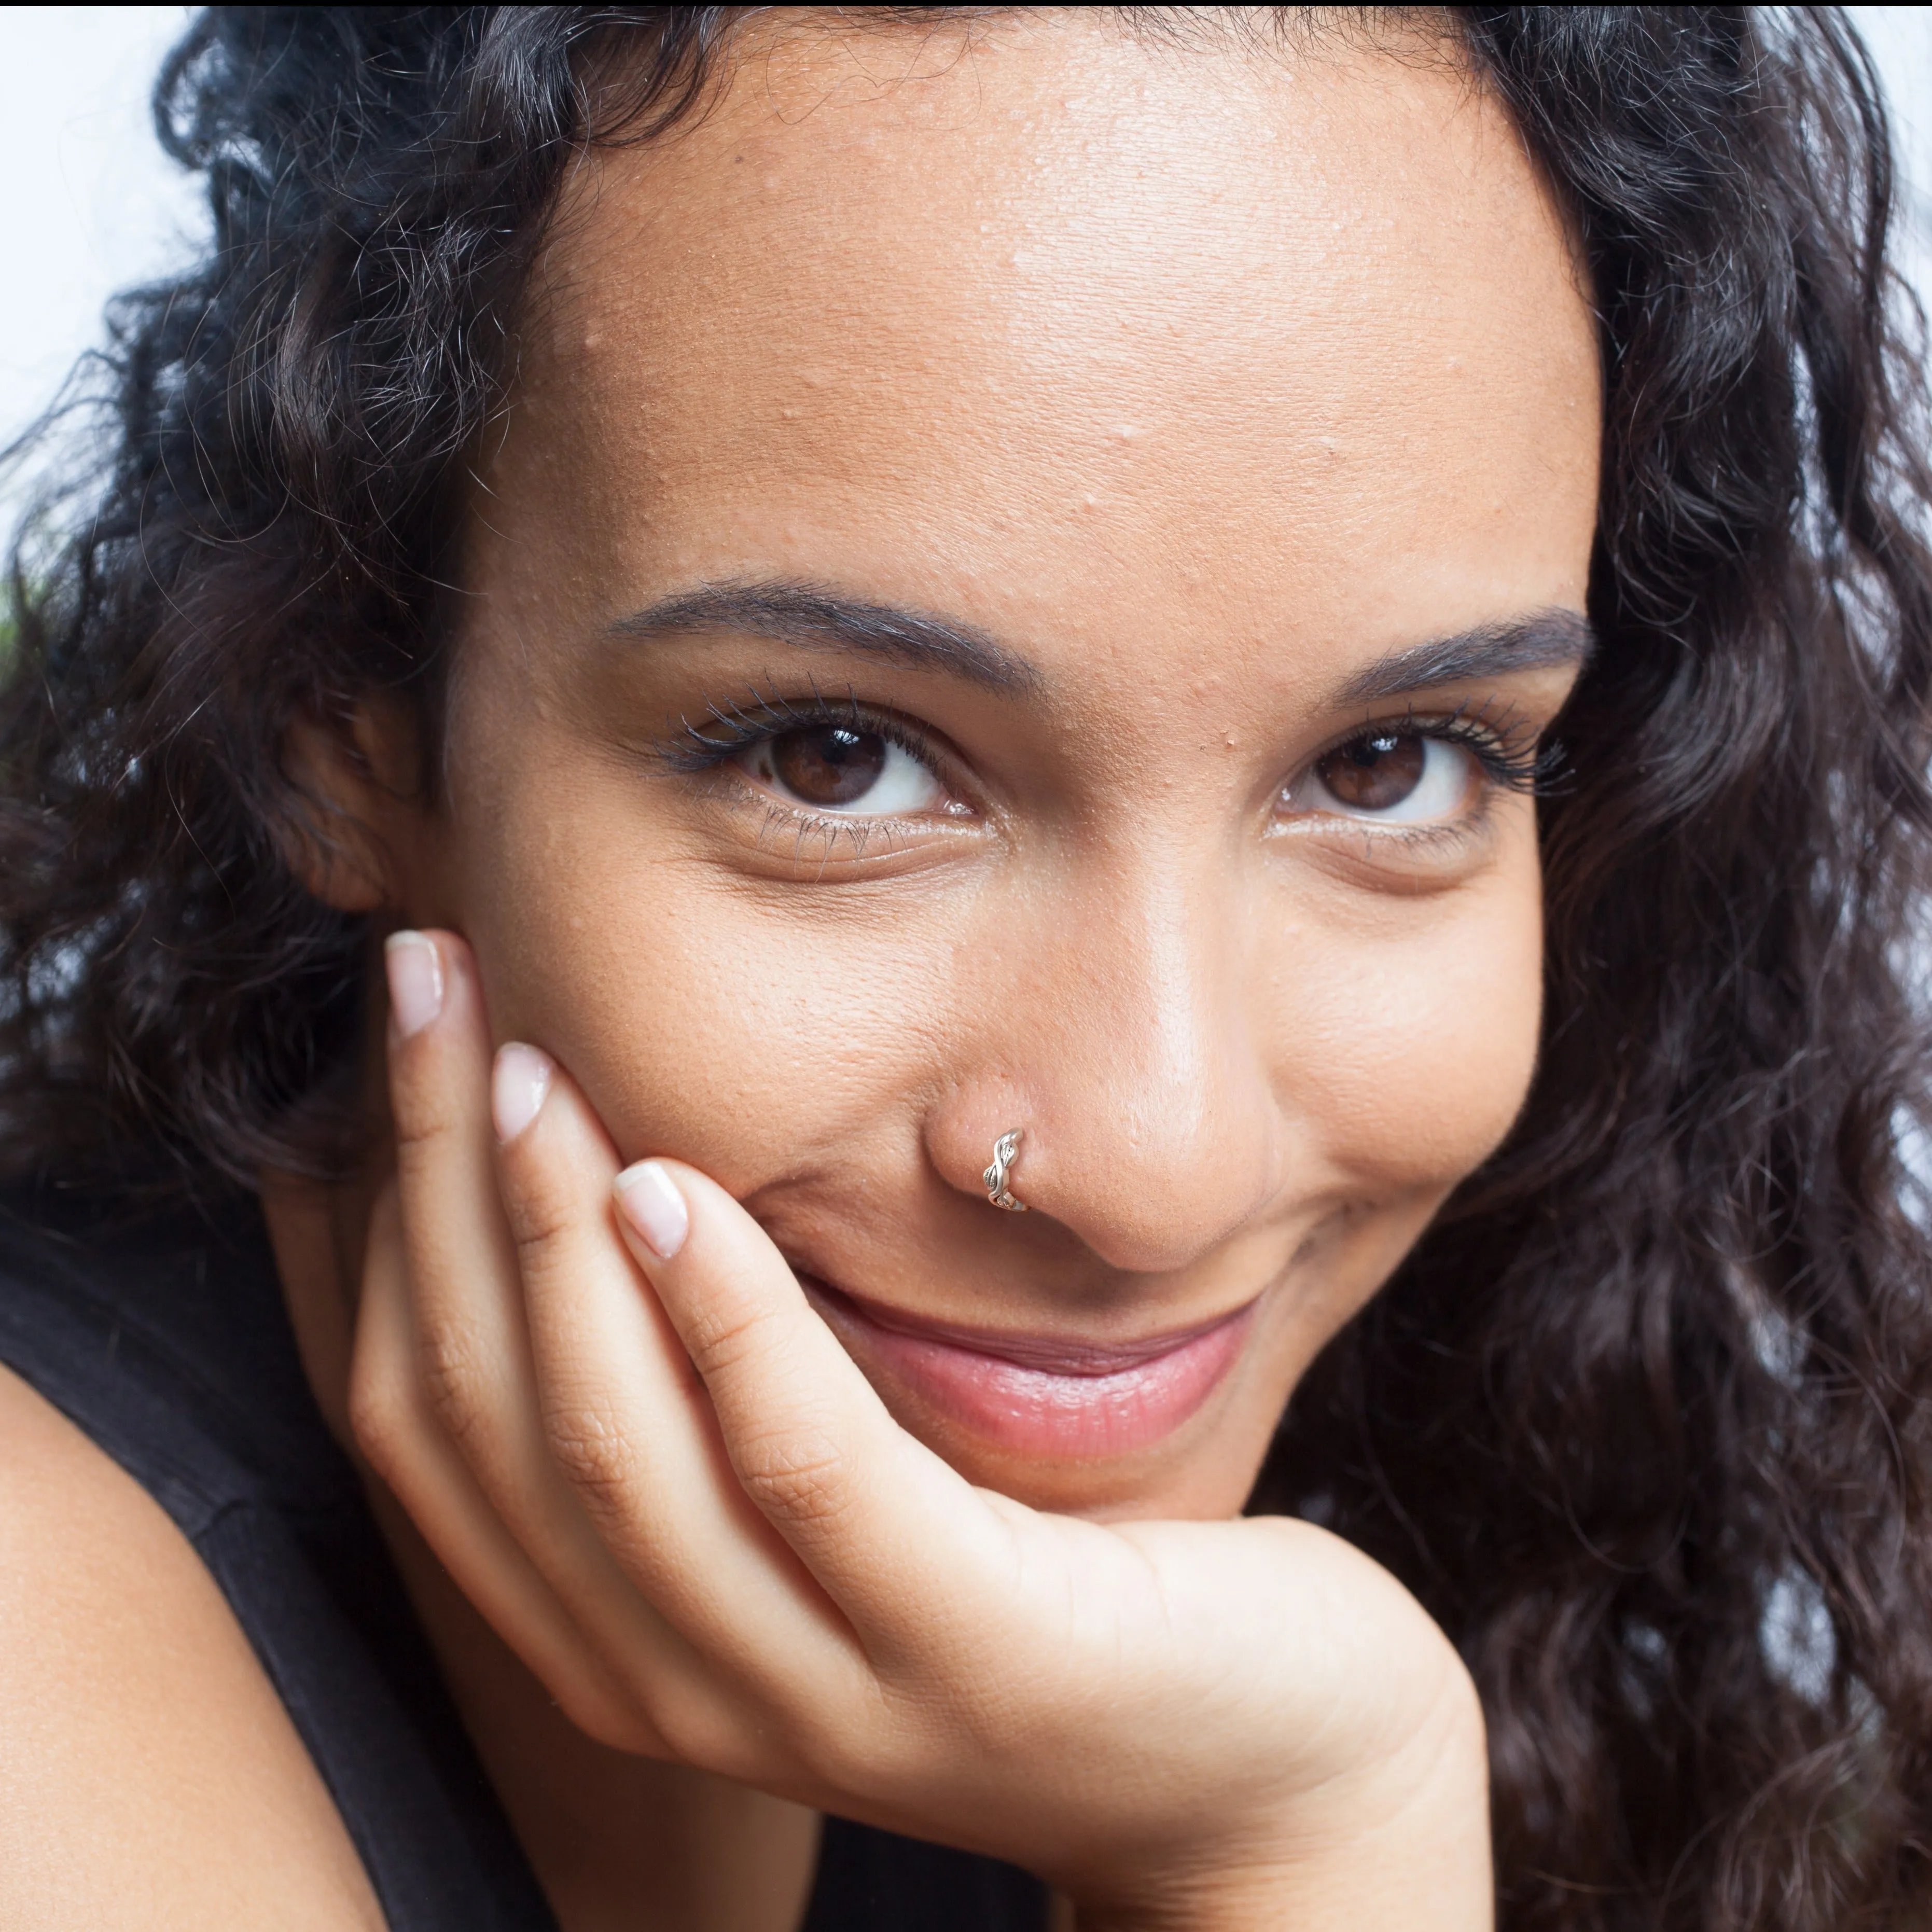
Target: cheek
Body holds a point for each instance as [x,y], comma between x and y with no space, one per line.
[695,1017]
[1408,1048]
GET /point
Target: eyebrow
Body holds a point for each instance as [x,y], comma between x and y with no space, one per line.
[1544,640]
[815,619]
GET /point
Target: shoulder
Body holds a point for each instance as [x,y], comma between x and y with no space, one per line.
[148,1773]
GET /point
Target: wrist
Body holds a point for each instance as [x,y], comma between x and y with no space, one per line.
[1405,1845]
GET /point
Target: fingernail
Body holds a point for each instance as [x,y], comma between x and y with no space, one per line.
[517,1088]
[415,980]
[653,1206]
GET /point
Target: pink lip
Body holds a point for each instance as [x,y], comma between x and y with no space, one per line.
[1040,1395]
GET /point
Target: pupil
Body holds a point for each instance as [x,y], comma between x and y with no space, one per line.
[1374,773]
[832,764]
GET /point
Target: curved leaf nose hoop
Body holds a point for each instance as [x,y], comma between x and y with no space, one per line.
[996,1176]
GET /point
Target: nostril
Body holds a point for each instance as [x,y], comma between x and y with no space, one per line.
[985,1142]
[1151,1211]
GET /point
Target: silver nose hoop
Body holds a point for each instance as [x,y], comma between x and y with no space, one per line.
[998,1176]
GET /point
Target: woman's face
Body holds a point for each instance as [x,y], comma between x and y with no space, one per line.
[1020,578]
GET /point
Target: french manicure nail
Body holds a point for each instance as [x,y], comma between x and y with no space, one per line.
[517,1088]
[653,1206]
[415,980]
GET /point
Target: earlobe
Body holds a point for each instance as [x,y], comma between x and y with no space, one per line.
[356,777]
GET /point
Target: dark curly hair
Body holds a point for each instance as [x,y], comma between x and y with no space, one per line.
[1643,1419]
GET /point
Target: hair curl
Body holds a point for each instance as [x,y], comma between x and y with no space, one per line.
[1642,1418]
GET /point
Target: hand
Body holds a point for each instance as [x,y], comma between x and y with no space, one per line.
[652,1468]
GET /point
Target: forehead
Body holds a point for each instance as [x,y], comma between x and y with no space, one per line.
[1039,303]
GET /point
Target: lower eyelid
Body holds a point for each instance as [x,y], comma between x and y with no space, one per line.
[1427,846]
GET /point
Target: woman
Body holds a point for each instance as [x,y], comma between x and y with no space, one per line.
[824,781]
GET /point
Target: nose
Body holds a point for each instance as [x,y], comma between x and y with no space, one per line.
[1111,1027]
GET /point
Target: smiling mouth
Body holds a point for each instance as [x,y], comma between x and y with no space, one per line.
[1042,1396]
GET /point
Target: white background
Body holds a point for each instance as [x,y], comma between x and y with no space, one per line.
[92,205]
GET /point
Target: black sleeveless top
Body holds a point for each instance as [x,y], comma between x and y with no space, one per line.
[165,1340]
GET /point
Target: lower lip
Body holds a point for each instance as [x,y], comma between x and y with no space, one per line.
[1046,1412]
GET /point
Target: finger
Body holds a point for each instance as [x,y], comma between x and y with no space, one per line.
[898,1538]
[632,1428]
[471,1348]
[395,1429]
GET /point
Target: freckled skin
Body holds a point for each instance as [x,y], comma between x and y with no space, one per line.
[1200,379]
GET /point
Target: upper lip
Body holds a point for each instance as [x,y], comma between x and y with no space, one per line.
[1053,1354]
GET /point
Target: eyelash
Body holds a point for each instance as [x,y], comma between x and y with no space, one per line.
[727,730]
[1509,762]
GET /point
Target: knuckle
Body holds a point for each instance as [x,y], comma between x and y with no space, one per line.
[721,1340]
[616,1727]
[596,1454]
[542,1212]
[695,1727]
[426,1119]
[604,1707]
[803,1477]
[452,1379]
[381,1417]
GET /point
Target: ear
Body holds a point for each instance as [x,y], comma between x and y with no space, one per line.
[359,775]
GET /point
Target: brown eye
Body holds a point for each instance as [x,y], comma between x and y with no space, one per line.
[830,765]
[843,768]
[1375,773]
[1391,776]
